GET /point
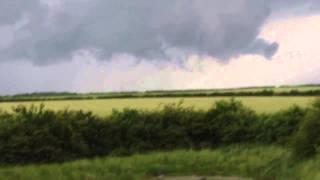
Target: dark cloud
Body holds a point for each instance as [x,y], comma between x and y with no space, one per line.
[260,46]
[143,28]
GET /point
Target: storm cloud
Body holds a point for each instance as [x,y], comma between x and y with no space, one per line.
[46,31]
[110,45]
[296,7]
[53,30]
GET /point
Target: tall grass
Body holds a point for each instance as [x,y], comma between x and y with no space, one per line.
[252,161]
[259,162]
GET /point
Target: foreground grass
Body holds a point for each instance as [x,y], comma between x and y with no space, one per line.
[257,162]
[104,107]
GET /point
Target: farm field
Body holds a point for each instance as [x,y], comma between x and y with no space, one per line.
[104,106]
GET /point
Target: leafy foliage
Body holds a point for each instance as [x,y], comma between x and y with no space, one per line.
[39,135]
[307,141]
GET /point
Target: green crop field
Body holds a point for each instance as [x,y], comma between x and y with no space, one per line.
[105,106]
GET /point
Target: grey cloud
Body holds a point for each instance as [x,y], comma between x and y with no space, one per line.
[143,28]
[295,7]
[20,77]
[260,46]
[12,10]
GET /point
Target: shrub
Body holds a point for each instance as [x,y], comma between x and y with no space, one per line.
[279,127]
[230,122]
[307,140]
[140,131]
[38,135]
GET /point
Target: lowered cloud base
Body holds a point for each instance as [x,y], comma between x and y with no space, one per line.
[49,31]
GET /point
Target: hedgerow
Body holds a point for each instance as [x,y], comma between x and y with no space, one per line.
[39,135]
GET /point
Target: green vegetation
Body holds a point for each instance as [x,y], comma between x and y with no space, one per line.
[227,139]
[105,106]
[307,141]
[243,161]
[254,161]
[36,135]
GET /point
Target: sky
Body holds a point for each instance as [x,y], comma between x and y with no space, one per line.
[118,45]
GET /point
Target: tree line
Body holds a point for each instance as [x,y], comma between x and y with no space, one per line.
[75,96]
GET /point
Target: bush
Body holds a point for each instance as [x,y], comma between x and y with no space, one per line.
[279,127]
[231,122]
[307,140]
[38,135]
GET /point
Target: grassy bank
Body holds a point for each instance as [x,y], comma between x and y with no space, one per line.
[257,162]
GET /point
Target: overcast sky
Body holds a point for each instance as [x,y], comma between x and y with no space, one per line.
[121,45]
